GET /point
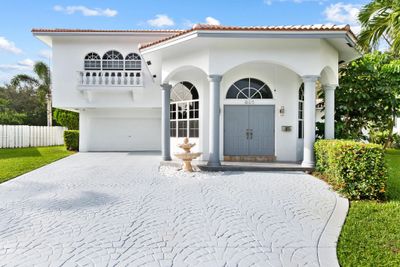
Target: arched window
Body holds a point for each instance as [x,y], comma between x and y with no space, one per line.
[92,61]
[113,60]
[184,110]
[301,112]
[249,88]
[133,62]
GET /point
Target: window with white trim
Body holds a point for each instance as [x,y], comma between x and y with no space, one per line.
[133,62]
[184,110]
[92,62]
[249,88]
[113,60]
[301,112]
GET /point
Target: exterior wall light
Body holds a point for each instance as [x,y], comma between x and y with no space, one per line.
[282,111]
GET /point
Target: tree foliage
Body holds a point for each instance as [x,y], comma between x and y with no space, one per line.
[41,84]
[21,106]
[368,96]
[380,19]
[67,118]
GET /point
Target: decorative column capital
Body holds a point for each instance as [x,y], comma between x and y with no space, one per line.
[310,78]
[166,86]
[329,87]
[214,78]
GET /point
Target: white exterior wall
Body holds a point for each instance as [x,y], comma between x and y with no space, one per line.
[279,63]
[68,59]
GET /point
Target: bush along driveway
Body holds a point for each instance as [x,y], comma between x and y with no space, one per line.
[17,161]
[371,234]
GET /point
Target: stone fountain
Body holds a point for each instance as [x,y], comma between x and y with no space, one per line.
[187,156]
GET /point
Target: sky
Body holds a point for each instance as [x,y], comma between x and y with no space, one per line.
[19,49]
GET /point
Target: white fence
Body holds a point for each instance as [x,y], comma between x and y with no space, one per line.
[12,136]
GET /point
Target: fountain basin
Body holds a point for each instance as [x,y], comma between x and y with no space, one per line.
[187,160]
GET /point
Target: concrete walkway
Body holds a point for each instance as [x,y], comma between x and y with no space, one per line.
[107,209]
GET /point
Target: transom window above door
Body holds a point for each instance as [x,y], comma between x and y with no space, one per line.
[249,88]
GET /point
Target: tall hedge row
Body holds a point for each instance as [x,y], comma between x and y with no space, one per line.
[355,169]
[71,139]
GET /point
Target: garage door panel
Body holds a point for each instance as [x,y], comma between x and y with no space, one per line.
[125,134]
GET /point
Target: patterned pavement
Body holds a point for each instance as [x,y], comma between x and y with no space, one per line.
[116,209]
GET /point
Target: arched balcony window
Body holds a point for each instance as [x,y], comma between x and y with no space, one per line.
[184,110]
[113,60]
[133,62]
[92,61]
[249,88]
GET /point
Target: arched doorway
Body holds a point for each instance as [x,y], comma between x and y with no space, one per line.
[249,126]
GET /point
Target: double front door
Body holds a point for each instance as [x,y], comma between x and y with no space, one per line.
[249,130]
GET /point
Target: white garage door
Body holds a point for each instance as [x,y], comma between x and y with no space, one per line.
[125,134]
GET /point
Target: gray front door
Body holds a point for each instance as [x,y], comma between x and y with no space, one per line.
[249,130]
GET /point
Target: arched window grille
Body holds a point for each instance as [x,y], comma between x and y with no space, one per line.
[249,88]
[133,62]
[301,112]
[92,61]
[184,110]
[113,60]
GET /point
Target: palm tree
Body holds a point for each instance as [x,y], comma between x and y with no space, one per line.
[380,19]
[42,85]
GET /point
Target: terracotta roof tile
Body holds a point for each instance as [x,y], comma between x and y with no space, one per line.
[101,31]
[289,28]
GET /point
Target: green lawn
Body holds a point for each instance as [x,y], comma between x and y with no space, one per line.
[371,234]
[17,161]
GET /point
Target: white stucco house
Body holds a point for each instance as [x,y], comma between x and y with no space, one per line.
[240,93]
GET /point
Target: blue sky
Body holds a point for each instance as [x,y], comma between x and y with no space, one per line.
[19,49]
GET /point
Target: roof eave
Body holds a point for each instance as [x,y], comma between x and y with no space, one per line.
[250,34]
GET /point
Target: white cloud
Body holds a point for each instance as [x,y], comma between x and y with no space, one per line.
[23,65]
[212,21]
[26,63]
[208,20]
[343,14]
[9,46]
[88,12]
[161,20]
[45,54]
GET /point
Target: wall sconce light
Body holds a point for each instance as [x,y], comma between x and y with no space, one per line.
[148,62]
[282,111]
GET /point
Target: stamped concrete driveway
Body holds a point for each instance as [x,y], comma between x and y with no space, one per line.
[116,209]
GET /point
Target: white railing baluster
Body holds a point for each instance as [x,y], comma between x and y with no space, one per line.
[100,78]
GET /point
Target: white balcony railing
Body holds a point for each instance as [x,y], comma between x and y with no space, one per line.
[110,78]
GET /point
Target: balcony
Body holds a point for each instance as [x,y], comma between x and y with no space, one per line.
[110,78]
[90,82]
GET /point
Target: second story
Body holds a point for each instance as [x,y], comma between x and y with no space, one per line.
[124,69]
[96,68]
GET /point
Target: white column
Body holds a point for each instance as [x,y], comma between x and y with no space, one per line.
[215,81]
[165,126]
[309,119]
[329,90]
[84,131]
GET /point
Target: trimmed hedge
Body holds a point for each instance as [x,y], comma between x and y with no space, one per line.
[71,139]
[356,170]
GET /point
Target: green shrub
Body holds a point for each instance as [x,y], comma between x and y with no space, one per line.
[355,169]
[71,139]
[66,118]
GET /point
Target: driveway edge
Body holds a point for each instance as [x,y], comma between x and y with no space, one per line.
[327,243]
